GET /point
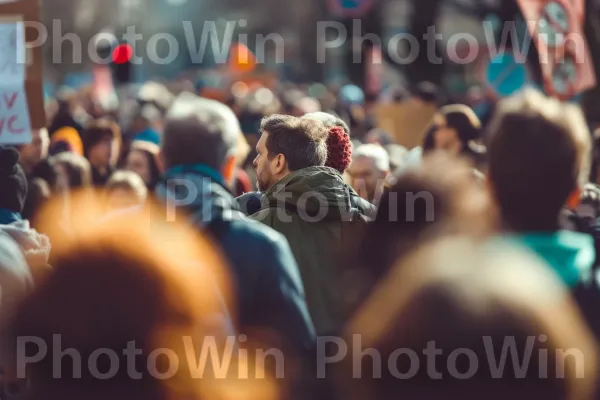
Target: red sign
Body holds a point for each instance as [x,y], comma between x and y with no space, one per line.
[565,61]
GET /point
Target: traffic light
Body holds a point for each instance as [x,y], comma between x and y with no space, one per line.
[121,62]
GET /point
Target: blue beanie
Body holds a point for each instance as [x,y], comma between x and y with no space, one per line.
[149,135]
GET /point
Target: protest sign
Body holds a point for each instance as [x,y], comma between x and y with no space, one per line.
[24,13]
[14,113]
[565,60]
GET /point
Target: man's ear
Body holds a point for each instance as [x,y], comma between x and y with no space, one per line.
[574,199]
[279,164]
[229,169]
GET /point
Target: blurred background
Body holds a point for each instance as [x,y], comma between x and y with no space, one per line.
[297,24]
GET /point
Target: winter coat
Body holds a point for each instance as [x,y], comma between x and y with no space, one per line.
[270,295]
[314,209]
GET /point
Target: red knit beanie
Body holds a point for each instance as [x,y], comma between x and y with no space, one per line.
[339,149]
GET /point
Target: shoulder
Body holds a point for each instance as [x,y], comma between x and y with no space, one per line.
[255,232]
[263,216]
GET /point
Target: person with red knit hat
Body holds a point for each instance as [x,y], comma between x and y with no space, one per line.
[339,149]
[339,156]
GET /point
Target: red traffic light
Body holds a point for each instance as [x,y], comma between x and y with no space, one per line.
[122,54]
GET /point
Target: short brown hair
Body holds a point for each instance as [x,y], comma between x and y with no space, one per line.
[98,129]
[301,140]
[539,153]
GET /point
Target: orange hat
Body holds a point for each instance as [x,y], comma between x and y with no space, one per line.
[71,137]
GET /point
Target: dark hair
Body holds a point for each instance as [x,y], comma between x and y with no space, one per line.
[45,171]
[459,117]
[153,165]
[37,195]
[464,120]
[98,130]
[301,140]
[539,153]
[427,92]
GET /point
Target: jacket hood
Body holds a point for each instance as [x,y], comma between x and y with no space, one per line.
[570,254]
[200,191]
[316,191]
[35,246]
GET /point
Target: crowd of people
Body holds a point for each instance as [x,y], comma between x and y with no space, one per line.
[286,224]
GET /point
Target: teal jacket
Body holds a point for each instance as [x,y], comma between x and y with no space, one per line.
[570,254]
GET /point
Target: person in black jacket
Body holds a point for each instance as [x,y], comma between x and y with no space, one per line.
[198,148]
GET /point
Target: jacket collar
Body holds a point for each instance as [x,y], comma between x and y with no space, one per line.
[204,190]
[8,216]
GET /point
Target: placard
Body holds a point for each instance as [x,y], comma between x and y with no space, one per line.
[29,11]
[407,121]
[565,60]
[15,126]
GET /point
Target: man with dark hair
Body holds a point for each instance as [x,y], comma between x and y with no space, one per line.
[199,149]
[290,145]
[539,161]
[311,205]
[101,142]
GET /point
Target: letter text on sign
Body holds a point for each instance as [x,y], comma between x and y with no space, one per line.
[14,112]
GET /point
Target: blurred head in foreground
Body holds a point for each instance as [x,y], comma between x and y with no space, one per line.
[449,314]
[539,160]
[439,198]
[132,281]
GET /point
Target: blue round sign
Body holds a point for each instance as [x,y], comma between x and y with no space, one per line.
[505,74]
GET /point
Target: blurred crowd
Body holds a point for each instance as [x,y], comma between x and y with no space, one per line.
[289,219]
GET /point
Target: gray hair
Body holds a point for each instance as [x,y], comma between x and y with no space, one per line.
[374,152]
[128,180]
[329,120]
[199,131]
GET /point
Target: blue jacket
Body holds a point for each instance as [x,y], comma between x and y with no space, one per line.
[571,255]
[270,294]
